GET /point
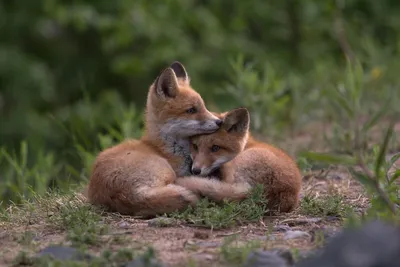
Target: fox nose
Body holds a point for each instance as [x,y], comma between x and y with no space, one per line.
[218,122]
[196,171]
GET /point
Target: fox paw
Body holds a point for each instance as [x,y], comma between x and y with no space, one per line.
[190,197]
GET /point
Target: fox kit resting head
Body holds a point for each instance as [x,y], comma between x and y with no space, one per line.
[175,112]
[210,151]
[176,108]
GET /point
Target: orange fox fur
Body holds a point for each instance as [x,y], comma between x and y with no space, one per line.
[242,163]
[137,177]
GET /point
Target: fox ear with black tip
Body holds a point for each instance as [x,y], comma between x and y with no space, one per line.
[180,71]
[237,121]
[166,84]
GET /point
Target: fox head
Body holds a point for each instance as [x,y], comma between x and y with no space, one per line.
[176,108]
[210,151]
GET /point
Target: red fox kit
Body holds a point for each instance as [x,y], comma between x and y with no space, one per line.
[137,177]
[242,163]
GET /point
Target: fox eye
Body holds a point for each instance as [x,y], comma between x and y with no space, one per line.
[215,148]
[195,147]
[191,110]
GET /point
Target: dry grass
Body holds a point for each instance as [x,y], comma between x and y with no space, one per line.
[68,219]
[55,218]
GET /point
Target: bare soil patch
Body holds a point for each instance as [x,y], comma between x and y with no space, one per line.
[177,245]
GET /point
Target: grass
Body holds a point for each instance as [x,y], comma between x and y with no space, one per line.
[211,215]
[347,109]
[68,213]
[374,172]
[236,253]
[330,205]
[83,226]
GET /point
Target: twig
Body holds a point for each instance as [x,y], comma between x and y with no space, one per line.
[229,234]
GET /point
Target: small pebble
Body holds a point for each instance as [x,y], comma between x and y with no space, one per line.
[295,234]
[282,228]
[123,225]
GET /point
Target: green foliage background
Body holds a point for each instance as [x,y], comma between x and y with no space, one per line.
[74,74]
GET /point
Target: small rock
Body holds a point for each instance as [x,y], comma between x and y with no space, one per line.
[262,258]
[295,234]
[123,225]
[161,222]
[282,228]
[64,253]
[204,257]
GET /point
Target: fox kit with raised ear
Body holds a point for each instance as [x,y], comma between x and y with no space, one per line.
[137,177]
[241,163]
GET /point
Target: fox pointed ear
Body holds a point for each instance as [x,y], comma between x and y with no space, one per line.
[166,84]
[237,121]
[179,70]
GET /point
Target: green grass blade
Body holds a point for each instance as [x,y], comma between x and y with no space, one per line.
[378,115]
[330,159]
[381,157]
[395,176]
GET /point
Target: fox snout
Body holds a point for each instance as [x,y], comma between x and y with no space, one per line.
[200,171]
[212,124]
[196,171]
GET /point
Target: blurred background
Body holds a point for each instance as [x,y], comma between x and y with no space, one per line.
[74,74]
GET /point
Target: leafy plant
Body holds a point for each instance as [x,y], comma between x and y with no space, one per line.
[376,177]
[347,105]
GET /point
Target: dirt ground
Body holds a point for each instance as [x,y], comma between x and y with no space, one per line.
[177,245]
